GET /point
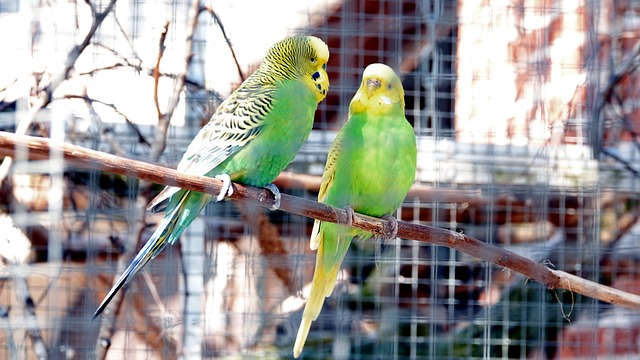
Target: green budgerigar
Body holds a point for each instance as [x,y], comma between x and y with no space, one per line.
[253,135]
[370,169]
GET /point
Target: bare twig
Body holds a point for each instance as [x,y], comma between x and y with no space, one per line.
[216,18]
[76,51]
[158,145]
[626,66]
[153,330]
[8,330]
[72,57]
[118,55]
[39,148]
[107,67]
[163,121]
[271,244]
[29,309]
[126,37]
[154,293]
[627,165]
[133,126]
[156,70]
[210,94]
[8,85]
[48,89]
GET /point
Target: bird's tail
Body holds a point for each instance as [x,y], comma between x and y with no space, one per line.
[328,261]
[183,208]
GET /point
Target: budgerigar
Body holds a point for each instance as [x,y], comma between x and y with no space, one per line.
[253,135]
[370,169]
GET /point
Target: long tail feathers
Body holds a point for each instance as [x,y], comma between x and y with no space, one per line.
[168,231]
[324,280]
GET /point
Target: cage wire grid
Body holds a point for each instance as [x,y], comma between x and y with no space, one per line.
[526,117]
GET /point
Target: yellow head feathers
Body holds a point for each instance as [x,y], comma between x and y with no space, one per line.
[302,57]
[380,91]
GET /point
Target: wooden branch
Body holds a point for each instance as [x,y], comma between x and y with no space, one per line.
[39,148]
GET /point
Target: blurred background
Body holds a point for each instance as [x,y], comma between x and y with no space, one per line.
[527,114]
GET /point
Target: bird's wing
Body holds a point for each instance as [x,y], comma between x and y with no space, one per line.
[236,122]
[325,185]
[330,167]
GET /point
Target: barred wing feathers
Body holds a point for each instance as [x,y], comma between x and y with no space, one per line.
[236,122]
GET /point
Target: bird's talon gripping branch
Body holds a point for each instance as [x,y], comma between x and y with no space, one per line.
[276,194]
[351,215]
[391,230]
[227,189]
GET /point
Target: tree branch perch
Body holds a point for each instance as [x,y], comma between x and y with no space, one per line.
[39,148]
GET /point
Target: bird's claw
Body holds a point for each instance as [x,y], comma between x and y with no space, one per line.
[227,189]
[391,229]
[351,215]
[276,194]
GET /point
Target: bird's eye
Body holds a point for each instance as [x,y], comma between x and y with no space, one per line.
[313,60]
[324,66]
[389,86]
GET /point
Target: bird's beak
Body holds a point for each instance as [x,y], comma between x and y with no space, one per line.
[373,85]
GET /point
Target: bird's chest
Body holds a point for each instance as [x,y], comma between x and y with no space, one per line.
[373,175]
[284,131]
[370,167]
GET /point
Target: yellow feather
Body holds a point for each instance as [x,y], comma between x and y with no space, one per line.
[379,98]
[323,284]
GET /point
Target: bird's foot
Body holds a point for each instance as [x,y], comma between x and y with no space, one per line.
[351,215]
[227,189]
[276,194]
[391,229]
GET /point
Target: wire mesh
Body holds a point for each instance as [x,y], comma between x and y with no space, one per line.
[526,115]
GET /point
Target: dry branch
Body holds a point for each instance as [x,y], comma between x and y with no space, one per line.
[158,144]
[29,311]
[39,148]
[8,331]
[156,70]
[226,38]
[45,93]
[628,65]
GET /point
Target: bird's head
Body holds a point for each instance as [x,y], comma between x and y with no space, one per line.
[303,57]
[380,91]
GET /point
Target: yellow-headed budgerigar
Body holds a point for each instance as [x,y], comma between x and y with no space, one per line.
[370,168]
[253,135]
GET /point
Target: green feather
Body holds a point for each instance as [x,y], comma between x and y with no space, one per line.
[253,135]
[371,167]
